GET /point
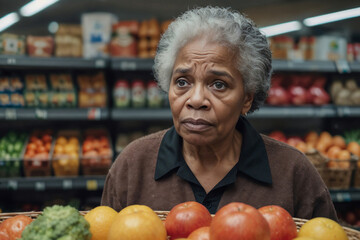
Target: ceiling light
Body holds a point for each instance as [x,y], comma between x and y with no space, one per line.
[281,28]
[35,6]
[8,20]
[332,17]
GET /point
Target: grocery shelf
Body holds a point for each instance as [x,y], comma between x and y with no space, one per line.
[10,61]
[304,66]
[132,64]
[90,183]
[141,114]
[348,195]
[165,113]
[93,183]
[138,64]
[54,114]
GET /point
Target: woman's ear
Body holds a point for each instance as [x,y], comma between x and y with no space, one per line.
[247,103]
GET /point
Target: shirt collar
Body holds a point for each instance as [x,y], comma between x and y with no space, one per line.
[253,160]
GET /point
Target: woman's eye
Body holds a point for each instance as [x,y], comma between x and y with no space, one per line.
[219,85]
[181,83]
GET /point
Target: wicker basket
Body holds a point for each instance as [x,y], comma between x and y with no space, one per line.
[351,233]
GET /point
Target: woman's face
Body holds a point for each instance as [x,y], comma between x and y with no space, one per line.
[206,93]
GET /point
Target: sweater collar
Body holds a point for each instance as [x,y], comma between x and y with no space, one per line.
[253,160]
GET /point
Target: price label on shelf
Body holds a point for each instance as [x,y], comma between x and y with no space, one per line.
[94,113]
[99,63]
[41,113]
[13,185]
[91,185]
[67,184]
[11,61]
[342,66]
[39,186]
[10,114]
[343,197]
[128,65]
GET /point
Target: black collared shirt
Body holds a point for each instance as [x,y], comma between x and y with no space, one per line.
[253,162]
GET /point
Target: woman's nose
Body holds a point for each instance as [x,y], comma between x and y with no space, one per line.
[198,98]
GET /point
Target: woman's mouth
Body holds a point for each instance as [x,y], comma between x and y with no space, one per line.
[196,125]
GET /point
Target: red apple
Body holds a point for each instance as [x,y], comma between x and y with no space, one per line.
[202,233]
[278,96]
[185,218]
[298,95]
[282,225]
[278,135]
[239,221]
[319,96]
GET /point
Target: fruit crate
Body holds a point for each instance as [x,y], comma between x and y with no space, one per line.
[66,156]
[38,152]
[97,152]
[339,173]
[12,149]
[351,233]
[319,161]
[356,176]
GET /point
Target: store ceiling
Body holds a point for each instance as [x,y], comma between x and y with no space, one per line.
[263,12]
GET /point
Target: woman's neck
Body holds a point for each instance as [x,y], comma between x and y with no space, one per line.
[223,153]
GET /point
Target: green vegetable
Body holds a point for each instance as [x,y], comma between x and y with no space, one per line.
[58,223]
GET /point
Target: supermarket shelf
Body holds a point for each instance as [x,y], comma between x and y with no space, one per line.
[131,64]
[304,66]
[54,114]
[165,113]
[90,183]
[141,114]
[348,195]
[355,66]
[93,183]
[8,61]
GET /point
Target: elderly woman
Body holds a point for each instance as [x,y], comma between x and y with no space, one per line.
[216,67]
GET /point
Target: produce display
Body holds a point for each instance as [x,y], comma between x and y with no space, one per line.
[56,223]
[11,154]
[92,90]
[11,91]
[345,93]
[66,157]
[186,220]
[38,153]
[97,152]
[298,90]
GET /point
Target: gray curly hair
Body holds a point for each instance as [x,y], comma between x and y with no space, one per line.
[224,26]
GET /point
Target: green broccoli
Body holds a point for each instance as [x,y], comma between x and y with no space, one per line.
[58,223]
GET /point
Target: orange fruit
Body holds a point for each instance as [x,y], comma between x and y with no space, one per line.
[311,137]
[301,146]
[321,228]
[61,140]
[339,141]
[303,238]
[333,152]
[137,222]
[354,148]
[100,220]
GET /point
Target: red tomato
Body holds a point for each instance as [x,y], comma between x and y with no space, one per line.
[239,221]
[282,225]
[202,233]
[87,146]
[14,226]
[186,217]
[46,138]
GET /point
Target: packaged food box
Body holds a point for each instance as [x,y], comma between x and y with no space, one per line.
[122,93]
[68,41]
[66,156]
[40,46]
[36,90]
[92,90]
[12,149]
[97,153]
[11,92]
[12,44]
[96,29]
[331,48]
[124,39]
[62,92]
[38,154]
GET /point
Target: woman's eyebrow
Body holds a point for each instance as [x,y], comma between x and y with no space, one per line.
[182,70]
[221,74]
